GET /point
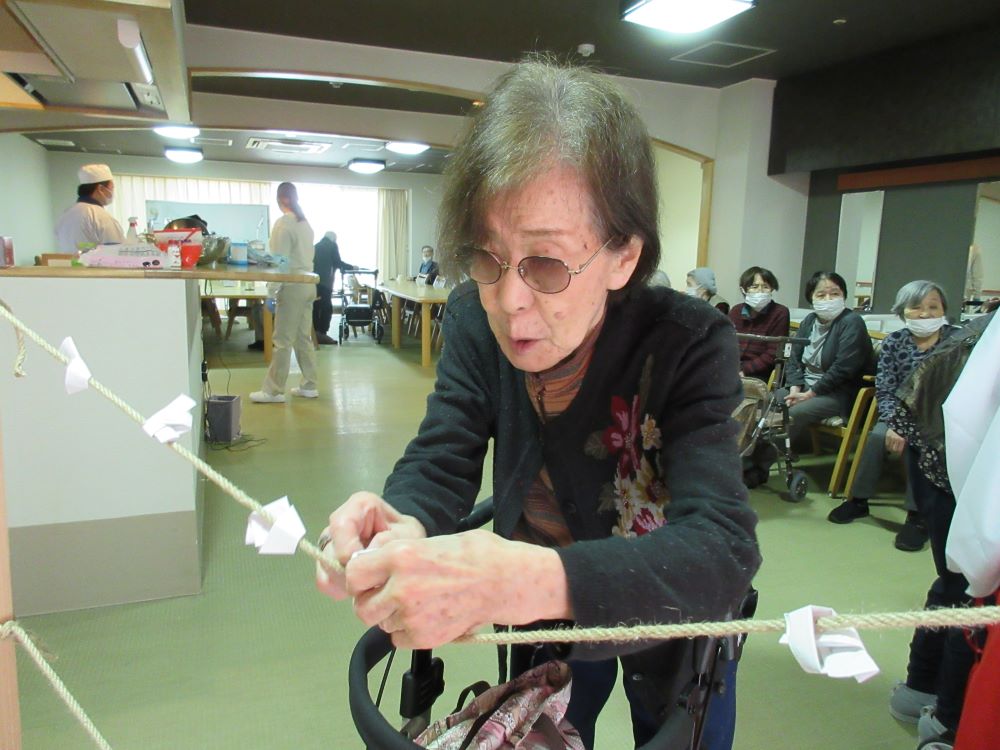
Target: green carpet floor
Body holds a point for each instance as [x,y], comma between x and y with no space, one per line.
[259,658]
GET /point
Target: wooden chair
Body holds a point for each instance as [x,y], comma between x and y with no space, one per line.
[238,308]
[850,431]
[871,416]
[210,311]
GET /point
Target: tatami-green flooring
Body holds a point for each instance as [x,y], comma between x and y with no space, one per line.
[259,658]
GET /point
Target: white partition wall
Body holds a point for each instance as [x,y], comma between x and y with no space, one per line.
[99,513]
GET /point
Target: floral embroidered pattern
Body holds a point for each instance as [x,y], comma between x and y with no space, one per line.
[637,493]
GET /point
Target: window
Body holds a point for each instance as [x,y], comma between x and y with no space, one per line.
[351,212]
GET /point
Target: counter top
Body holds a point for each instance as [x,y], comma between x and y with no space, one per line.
[219,272]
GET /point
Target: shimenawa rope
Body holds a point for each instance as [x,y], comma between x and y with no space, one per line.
[920,618]
[11,629]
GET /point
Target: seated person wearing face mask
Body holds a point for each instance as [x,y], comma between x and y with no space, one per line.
[701,284]
[428,270]
[921,305]
[759,315]
[824,375]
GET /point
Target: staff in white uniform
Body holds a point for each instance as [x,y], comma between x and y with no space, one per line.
[291,236]
[87,221]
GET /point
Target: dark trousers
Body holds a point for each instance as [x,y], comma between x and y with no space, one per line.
[940,660]
[323,309]
[593,682]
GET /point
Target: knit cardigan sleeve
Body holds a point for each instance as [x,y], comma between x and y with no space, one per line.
[439,476]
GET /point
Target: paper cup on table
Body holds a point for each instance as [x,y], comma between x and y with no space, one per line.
[238,254]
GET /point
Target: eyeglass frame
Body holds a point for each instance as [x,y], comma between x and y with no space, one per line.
[505,266]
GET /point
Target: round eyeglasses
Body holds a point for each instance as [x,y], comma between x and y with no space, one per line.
[540,272]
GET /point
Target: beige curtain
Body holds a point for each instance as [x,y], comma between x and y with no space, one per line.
[393,233]
[132,192]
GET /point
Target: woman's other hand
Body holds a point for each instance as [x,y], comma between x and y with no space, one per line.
[796,397]
[894,442]
[427,592]
[365,521]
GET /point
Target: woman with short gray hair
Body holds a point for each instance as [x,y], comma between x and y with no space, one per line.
[922,306]
[616,479]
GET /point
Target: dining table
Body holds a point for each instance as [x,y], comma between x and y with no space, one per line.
[425,297]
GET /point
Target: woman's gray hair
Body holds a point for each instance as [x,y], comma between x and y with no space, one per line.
[540,115]
[912,294]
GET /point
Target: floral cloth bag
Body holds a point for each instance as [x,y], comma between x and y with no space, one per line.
[527,713]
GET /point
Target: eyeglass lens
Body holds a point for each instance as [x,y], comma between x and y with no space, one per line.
[547,275]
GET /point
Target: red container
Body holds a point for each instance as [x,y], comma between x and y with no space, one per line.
[190,253]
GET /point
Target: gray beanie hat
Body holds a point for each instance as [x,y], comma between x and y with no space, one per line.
[705,278]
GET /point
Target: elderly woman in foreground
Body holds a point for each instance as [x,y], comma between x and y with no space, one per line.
[616,478]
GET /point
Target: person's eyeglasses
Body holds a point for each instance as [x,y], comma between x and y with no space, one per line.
[540,272]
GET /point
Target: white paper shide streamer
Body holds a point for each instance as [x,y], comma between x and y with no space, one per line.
[77,372]
[172,421]
[280,538]
[835,653]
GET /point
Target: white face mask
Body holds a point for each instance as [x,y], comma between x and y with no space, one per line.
[923,327]
[828,309]
[693,291]
[758,300]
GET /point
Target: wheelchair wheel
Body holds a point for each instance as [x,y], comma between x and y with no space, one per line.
[379,330]
[342,331]
[798,486]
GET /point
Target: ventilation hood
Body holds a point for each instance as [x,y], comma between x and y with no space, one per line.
[71,57]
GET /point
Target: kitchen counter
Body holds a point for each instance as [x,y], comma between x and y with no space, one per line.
[98,512]
[216,272]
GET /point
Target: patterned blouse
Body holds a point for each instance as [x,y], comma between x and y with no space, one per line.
[899,357]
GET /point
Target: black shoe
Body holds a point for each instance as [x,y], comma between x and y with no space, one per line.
[256,346]
[847,511]
[323,338]
[913,536]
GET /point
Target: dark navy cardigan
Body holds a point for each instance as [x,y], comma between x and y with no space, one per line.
[673,357]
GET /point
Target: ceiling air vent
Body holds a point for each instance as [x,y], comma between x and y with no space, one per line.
[204,140]
[722,54]
[276,146]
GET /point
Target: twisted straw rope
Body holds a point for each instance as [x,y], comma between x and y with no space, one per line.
[920,618]
[211,474]
[924,618]
[11,629]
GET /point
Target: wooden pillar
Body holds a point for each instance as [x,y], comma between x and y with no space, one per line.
[10,715]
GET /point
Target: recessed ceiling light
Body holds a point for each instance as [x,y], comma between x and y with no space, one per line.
[682,16]
[177,132]
[410,148]
[55,142]
[184,155]
[366,166]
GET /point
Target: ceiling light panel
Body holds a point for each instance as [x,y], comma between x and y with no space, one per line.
[682,16]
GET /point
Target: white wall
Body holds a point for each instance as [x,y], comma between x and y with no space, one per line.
[858,238]
[26,203]
[756,219]
[77,458]
[987,236]
[680,180]
[425,190]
